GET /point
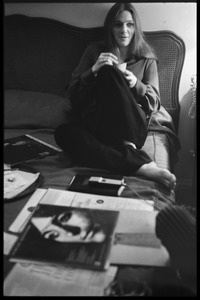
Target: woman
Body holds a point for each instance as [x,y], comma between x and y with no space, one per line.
[113,106]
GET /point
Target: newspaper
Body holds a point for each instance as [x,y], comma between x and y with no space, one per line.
[46,280]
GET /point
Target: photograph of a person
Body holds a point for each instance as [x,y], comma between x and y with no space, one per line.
[70,226]
[68,235]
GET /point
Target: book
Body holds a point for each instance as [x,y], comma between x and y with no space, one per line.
[81,183]
[25,147]
[65,235]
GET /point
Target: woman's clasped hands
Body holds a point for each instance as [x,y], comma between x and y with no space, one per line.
[108,58]
[104,59]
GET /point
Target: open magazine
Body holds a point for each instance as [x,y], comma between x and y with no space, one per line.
[70,236]
[134,242]
[25,147]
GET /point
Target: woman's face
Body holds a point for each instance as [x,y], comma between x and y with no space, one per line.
[123,29]
[70,226]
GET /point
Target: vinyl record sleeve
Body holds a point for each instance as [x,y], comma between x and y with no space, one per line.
[68,236]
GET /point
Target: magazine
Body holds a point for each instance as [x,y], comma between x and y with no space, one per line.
[135,241]
[75,199]
[25,147]
[66,235]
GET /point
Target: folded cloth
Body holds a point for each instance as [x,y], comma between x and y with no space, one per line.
[16,181]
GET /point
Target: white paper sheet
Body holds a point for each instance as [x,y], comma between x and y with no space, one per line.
[111,203]
[8,242]
[69,198]
[23,217]
[149,252]
[58,197]
[39,280]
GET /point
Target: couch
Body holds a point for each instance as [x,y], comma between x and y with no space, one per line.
[39,57]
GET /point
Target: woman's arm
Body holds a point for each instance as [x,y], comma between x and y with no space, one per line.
[84,68]
[80,88]
[83,79]
[146,90]
[93,59]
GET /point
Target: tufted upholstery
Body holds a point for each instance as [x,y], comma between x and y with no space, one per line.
[170,50]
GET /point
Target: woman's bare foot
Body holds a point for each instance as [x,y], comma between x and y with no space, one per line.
[152,171]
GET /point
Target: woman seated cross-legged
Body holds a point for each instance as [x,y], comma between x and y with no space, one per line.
[114,92]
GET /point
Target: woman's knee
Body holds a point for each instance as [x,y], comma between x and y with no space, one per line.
[112,80]
[108,70]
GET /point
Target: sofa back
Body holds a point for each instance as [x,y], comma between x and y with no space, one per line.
[40,55]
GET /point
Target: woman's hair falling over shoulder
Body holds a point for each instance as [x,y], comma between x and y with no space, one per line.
[138,46]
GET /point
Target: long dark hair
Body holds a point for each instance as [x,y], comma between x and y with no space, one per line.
[138,46]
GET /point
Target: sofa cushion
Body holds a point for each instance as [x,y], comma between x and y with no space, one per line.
[28,109]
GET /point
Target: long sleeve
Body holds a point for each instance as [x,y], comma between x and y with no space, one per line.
[84,68]
[80,87]
[146,89]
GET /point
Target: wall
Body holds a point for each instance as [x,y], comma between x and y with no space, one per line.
[178,17]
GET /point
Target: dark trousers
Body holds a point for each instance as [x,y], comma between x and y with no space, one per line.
[98,142]
[118,114]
